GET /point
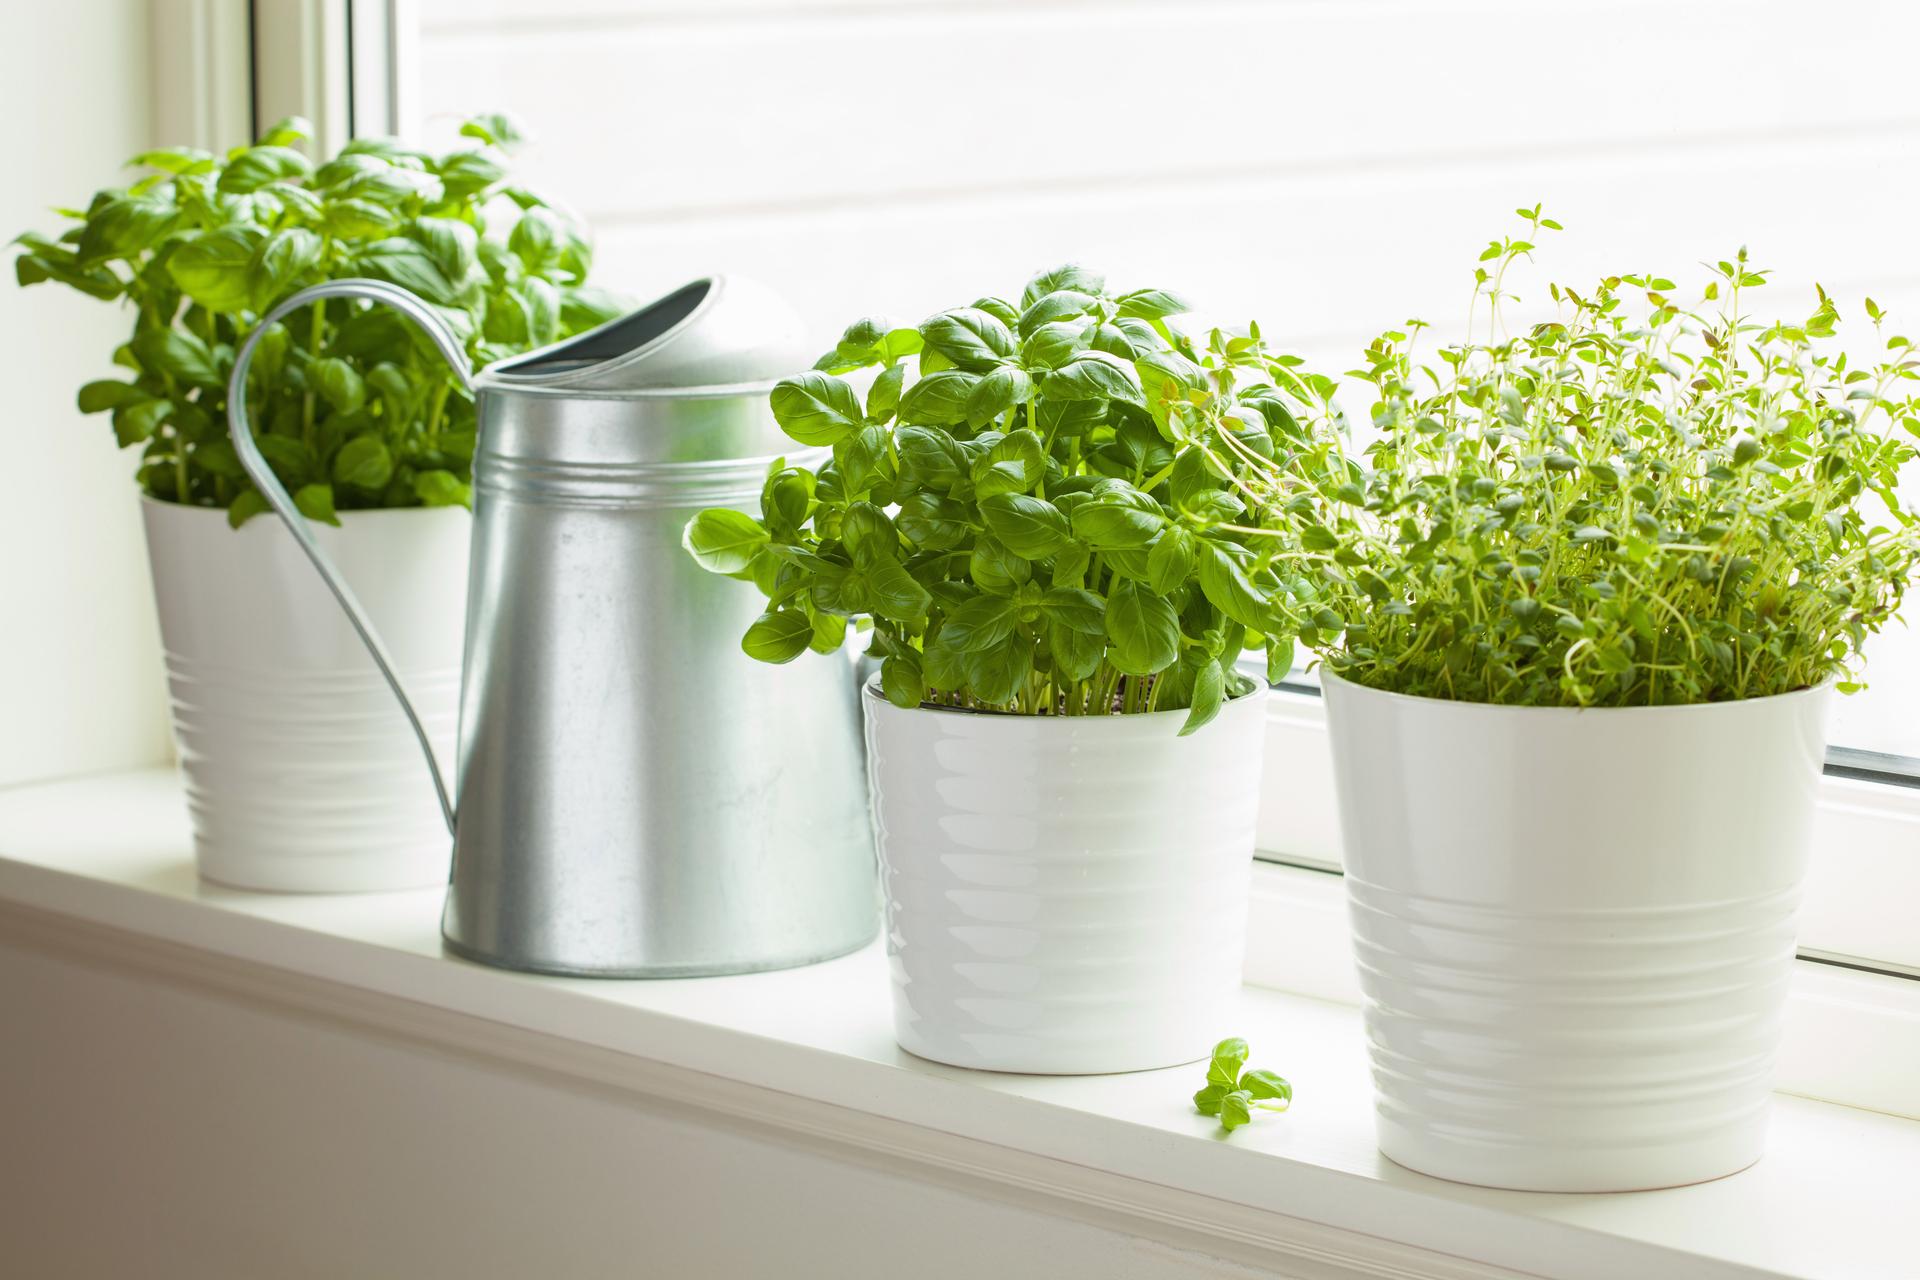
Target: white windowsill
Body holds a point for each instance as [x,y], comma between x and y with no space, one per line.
[808,1051]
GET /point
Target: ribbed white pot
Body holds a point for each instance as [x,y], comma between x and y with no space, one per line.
[1068,894]
[1574,929]
[301,772]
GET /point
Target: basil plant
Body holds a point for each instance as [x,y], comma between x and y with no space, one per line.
[1036,503]
[353,407]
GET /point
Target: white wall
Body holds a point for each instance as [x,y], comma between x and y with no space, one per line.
[1329,167]
[81,687]
[256,1138]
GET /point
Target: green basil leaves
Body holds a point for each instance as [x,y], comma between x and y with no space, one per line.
[1036,510]
[351,408]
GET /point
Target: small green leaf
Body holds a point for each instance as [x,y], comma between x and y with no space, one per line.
[1279,658]
[883,398]
[315,502]
[1075,609]
[1228,1057]
[901,680]
[1152,304]
[780,636]
[982,623]
[1094,375]
[939,399]
[722,540]
[363,462]
[1170,562]
[896,596]
[1142,630]
[98,397]
[288,130]
[178,355]
[1071,276]
[1116,526]
[438,488]
[258,166]
[214,268]
[998,674]
[973,340]
[1265,1085]
[495,128]
[248,504]
[1209,691]
[1228,589]
[339,383]
[816,408]
[1029,526]
[406,263]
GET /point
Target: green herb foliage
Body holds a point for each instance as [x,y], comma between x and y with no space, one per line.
[353,407]
[1644,501]
[1233,1093]
[1037,502]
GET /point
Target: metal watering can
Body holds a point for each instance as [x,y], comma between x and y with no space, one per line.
[637,797]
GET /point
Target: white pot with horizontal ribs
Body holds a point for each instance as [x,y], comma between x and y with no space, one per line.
[1065,894]
[1574,928]
[301,772]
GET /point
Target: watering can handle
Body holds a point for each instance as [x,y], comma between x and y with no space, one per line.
[430,323]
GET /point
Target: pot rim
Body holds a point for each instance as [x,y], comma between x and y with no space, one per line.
[870,688]
[200,512]
[1357,690]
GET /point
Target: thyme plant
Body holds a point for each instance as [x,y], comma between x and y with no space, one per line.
[1650,499]
[1038,504]
[353,408]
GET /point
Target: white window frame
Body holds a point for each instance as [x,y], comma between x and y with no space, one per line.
[227,67]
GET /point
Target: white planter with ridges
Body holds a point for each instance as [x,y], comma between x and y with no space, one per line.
[302,774]
[1574,929]
[1064,894]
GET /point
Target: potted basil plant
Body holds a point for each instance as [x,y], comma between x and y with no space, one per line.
[1035,507]
[274,702]
[1578,618]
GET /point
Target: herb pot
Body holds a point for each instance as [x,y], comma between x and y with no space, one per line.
[1065,894]
[302,774]
[1574,928]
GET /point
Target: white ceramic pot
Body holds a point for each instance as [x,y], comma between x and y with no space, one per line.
[1574,929]
[301,772]
[1066,894]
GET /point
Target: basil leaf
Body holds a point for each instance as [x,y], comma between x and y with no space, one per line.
[214,268]
[723,541]
[1142,630]
[1029,526]
[972,339]
[1071,276]
[1209,691]
[1093,375]
[1116,526]
[998,674]
[780,636]
[1226,587]
[816,409]
[938,399]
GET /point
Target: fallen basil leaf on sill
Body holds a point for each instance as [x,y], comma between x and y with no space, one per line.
[1234,1095]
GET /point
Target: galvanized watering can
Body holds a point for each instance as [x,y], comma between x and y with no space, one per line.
[637,797]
